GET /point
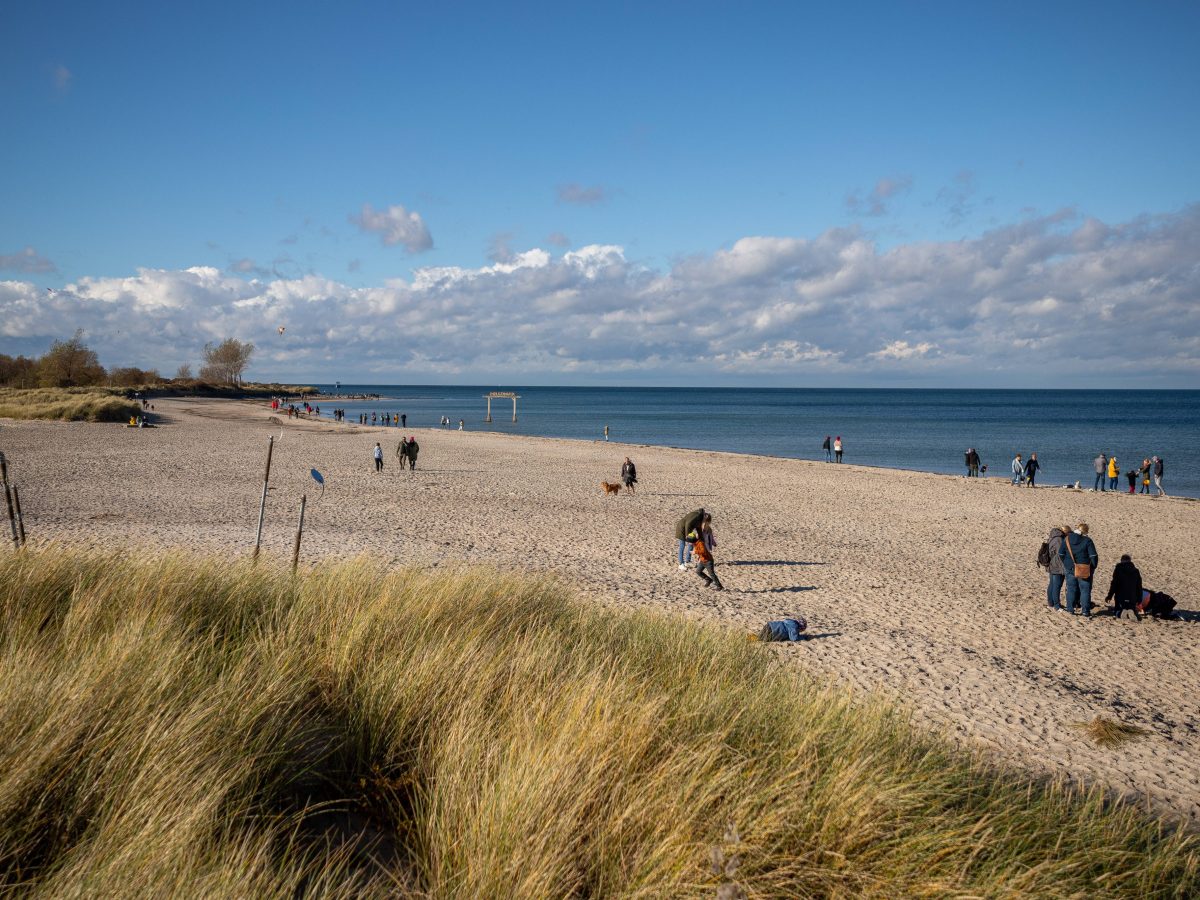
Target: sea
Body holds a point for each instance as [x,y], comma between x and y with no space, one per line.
[922,429]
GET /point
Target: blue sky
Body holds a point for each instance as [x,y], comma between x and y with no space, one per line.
[305,158]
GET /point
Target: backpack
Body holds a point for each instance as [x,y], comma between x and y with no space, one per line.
[1043,557]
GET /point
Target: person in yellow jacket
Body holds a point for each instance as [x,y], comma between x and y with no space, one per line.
[1114,472]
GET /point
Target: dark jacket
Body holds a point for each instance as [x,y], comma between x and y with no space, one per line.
[1031,466]
[1055,541]
[1158,467]
[1084,552]
[1126,586]
[825,446]
[628,473]
[690,522]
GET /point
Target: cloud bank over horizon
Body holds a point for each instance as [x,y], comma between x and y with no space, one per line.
[1061,298]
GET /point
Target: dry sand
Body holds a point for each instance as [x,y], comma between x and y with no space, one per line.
[921,585]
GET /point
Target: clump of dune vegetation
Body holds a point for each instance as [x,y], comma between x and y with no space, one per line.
[1109,732]
[183,727]
[72,404]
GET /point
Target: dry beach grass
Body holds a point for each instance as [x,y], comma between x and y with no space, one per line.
[921,586]
[175,726]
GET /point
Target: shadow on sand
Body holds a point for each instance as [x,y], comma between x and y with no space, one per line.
[771,562]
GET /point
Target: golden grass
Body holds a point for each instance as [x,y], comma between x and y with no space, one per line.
[186,727]
[91,404]
[1109,732]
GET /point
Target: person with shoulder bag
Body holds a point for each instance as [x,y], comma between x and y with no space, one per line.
[1080,550]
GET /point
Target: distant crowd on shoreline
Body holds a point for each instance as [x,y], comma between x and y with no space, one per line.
[1107,471]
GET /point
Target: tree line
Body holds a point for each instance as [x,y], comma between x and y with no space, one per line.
[71,363]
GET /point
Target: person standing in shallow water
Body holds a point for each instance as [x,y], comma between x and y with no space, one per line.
[837,447]
[826,447]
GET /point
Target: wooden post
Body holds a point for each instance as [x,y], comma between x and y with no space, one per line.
[262,506]
[299,532]
[514,407]
[489,412]
[12,516]
[20,518]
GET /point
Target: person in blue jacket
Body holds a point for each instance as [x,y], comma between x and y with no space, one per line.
[1078,549]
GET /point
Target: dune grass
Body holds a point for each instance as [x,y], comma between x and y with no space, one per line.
[186,727]
[90,404]
[1109,732]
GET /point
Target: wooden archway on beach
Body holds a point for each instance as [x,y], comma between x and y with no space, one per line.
[501,395]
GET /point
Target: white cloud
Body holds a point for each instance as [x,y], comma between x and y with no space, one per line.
[395,225]
[580,195]
[1051,297]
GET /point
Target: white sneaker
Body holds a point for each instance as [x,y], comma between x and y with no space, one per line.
[683,567]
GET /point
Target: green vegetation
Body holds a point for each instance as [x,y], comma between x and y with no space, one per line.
[182,727]
[95,404]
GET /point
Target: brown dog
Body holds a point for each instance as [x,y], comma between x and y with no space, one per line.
[612,489]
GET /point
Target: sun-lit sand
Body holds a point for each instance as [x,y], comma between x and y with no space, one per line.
[924,586]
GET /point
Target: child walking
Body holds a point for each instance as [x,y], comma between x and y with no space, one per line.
[705,544]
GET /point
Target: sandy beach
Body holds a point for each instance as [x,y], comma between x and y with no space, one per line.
[922,586]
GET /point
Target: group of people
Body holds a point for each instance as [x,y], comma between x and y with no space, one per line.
[696,538]
[832,449]
[974,467]
[445,423]
[395,420]
[1108,473]
[1071,559]
[1025,472]
[406,453]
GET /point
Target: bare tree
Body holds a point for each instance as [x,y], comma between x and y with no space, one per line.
[70,363]
[184,373]
[225,362]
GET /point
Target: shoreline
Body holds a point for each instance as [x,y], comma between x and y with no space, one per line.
[925,590]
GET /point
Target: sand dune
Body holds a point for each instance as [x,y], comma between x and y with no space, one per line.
[921,585]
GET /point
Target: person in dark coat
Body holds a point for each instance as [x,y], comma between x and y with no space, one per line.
[413,449]
[685,525]
[1031,469]
[1057,572]
[629,475]
[1125,589]
[1078,549]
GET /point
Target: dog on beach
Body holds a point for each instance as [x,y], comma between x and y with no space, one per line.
[610,489]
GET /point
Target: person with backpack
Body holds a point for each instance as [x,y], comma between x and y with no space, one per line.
[1125,589]
[1049,559]
[1100,464]
[683,528]
[1079,559]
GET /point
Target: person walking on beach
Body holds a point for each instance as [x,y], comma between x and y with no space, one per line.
[704,545]
[1018,470]
[1031,470]
[1158,476]
[461,424]
[403,420]
[837,447]
[1145,477]
[1114,472]
[606,432]
[1079,559]
[1100,464]
[402,453]
[413,449]
[973,463]
[1057,572]
[378,454]
[826,447]
[629,475]
[683,528]
[967,460]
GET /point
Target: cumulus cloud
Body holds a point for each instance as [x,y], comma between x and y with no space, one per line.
[580,195]
[247,266]
[875,203]
[395,226]
[1040,300]
[27,261]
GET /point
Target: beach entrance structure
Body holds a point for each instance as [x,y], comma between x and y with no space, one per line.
[501,395]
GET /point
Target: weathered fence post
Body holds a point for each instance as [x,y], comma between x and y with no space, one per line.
[299,532]
[20,518]
[12,517]
[262,506]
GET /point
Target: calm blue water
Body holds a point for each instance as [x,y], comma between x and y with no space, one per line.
[910,429]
